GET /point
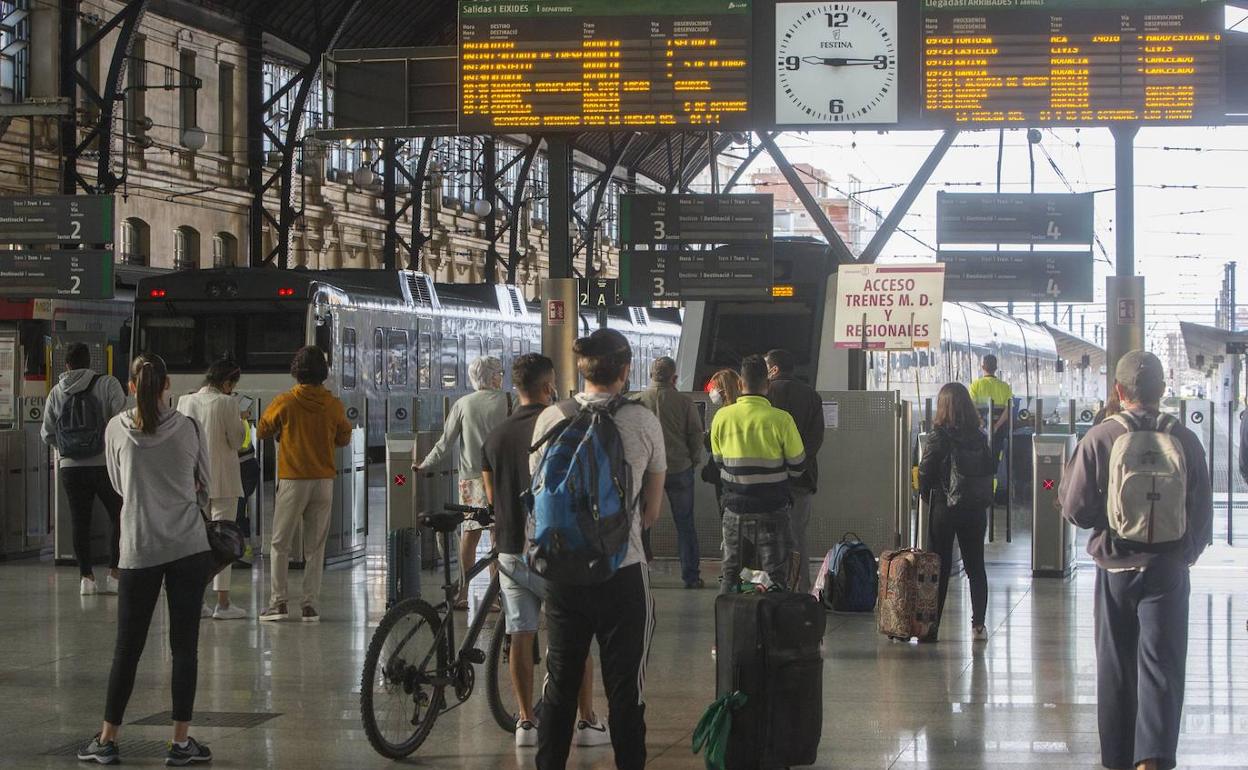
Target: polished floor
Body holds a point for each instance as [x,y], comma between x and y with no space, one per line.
[1025,699]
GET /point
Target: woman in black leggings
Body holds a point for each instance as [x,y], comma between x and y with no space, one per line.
[956,428]
[158,461]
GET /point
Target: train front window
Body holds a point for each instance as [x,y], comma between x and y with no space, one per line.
[748,328]
[259,342]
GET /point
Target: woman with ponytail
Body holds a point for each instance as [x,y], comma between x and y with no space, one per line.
[216,411]
[158,460]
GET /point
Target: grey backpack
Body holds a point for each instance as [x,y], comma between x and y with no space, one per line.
[1147,500]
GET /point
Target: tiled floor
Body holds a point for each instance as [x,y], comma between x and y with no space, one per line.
[1026,699]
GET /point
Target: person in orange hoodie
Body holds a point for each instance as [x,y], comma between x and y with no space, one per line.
[308,422]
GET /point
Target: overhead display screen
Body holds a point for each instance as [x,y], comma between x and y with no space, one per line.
[603,64]
[1071,62]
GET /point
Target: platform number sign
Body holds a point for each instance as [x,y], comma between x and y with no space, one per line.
[836,63]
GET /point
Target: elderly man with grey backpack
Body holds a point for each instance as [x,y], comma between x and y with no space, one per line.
[1140,481]
[74,417]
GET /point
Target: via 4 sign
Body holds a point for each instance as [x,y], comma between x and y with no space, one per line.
[889,307]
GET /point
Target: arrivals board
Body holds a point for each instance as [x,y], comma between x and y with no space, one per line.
[1071,62]
[1015,218]
[696,219]
[737,272]
[1017,276]
[56,219]
[75,273]
[604,64]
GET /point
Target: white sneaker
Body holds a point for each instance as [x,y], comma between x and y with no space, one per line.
[88,587]
[979,633]
[205,611]
[233,612]
[593,733]
[108,585]
[526,734]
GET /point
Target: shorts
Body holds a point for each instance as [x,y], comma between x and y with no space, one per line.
[472,492]
[523,593]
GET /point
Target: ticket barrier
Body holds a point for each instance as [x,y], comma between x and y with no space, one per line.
[1052,537]
[403,536]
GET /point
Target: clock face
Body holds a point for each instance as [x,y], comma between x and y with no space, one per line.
[836,63]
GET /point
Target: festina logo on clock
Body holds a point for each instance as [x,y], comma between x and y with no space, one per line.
[836,63]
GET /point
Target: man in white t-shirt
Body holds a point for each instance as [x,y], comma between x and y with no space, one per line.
[619,611]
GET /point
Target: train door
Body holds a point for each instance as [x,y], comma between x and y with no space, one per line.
[336,333]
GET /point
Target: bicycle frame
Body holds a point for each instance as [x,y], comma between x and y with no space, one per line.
[445,637]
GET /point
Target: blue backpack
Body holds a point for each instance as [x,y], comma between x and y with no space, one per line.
[581,500]
[848,580]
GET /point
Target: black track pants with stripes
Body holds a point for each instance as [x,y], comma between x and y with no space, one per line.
[620,614]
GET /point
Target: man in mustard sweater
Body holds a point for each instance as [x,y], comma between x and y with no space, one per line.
[308,423]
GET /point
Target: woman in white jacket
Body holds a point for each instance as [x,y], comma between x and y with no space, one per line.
[216,410]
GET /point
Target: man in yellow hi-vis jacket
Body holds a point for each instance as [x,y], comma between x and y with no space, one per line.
[758,451]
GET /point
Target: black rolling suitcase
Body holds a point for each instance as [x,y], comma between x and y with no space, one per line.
[402,565]
[768,648]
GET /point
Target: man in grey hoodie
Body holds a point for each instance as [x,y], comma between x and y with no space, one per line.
[85,477]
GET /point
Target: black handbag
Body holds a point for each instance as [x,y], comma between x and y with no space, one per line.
[225,538]
[226,541]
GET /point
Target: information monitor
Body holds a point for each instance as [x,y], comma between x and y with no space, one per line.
[604,64]
[1072,62]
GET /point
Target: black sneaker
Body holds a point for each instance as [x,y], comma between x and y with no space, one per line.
[104,753]
[310,616]
[193,751]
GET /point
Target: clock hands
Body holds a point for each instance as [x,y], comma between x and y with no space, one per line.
[840,62]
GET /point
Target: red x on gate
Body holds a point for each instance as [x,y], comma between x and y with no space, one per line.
[400,479]
[1048,484]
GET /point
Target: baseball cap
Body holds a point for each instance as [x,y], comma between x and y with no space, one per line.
[1140,372]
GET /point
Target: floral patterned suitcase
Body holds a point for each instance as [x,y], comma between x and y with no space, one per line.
[908,601]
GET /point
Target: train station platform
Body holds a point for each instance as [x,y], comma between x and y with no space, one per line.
[285,695]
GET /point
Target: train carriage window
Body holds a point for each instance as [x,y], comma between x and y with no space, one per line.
[173,337]
[450,362]
[349,373]
[472,348]
[272,342]
[219,338]
[379,358]
[424,358]
[396,370]
[494,347]
[325,337]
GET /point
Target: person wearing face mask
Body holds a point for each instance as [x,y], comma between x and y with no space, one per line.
[724,390]
[505,475]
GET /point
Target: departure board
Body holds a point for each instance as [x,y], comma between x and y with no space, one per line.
[603,64]
[1072,62]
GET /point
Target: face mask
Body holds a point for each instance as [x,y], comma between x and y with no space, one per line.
[717,398]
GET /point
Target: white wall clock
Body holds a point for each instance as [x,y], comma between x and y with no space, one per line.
[836,63]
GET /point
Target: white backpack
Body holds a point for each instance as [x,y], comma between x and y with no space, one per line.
[1147,501]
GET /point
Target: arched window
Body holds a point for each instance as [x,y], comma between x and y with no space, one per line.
[186,248]
[224,250]
[136,242]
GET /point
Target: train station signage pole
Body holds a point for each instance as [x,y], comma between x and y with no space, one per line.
[561,291]
[1124,291]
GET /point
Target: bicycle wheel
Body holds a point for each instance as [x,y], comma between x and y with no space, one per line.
[397,703]
[499,691]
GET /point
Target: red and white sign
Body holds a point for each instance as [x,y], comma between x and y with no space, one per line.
[400,480]
[889,307]
[556,312]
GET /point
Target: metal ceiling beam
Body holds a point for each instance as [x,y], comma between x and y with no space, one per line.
[517,207]
[889,226]
[795,180]
[327,34]
[125,22]
[595,205]
[750,156]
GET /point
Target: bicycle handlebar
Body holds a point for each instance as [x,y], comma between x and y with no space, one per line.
[483,516]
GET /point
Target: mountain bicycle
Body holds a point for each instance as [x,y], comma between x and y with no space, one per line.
[412,660]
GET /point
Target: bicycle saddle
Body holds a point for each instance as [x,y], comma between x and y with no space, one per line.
[441,522]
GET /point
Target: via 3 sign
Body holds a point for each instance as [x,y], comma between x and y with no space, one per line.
[889,307]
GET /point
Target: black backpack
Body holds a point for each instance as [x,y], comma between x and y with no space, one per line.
[972,471]
[80,425]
